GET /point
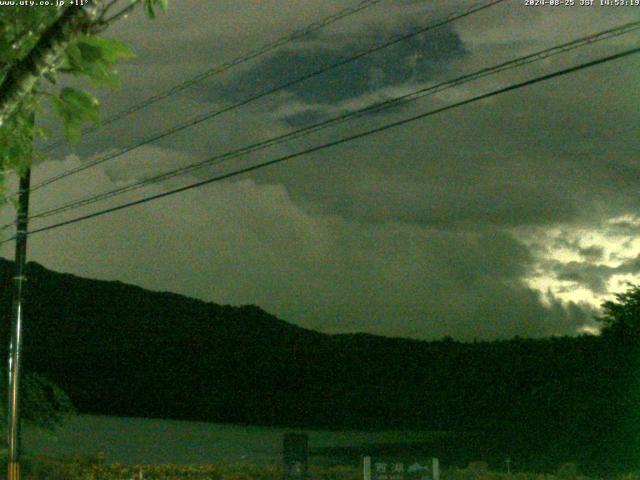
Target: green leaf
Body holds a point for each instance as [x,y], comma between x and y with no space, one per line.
[75,107]
[102,74]
[89,53]
[108,50]
[73,60]
[81,101]
[95,57]
[16,139]
[148,8]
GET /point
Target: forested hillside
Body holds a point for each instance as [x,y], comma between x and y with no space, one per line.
[117,349]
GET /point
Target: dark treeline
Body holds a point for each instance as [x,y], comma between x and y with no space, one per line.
[117,349]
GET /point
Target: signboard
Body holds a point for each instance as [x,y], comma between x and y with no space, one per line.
[390,469]
[295,454]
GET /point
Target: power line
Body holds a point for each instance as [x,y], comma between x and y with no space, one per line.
[412,96]
[209,115]
[350,138]
[243,102]
[264,49]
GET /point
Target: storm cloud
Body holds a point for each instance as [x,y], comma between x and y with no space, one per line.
[477,223]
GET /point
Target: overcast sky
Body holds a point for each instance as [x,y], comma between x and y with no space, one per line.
[511,216]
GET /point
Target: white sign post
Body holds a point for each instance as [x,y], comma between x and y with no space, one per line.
[366,468]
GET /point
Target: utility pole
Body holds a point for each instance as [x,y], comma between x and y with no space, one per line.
[15,344]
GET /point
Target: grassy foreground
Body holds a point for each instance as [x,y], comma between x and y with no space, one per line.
[93,469]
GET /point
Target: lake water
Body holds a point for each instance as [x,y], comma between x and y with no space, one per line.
[150,441]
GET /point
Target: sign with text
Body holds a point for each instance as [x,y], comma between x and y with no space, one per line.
[390,469]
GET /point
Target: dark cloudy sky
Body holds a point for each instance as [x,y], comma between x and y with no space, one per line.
[511,216]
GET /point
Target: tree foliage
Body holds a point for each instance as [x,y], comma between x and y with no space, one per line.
[37,45]
[44,404]
[621,317]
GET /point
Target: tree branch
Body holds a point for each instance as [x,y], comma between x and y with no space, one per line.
[106,8]
[122,13]
[24,75]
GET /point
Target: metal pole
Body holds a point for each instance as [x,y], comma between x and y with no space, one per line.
[15,345]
